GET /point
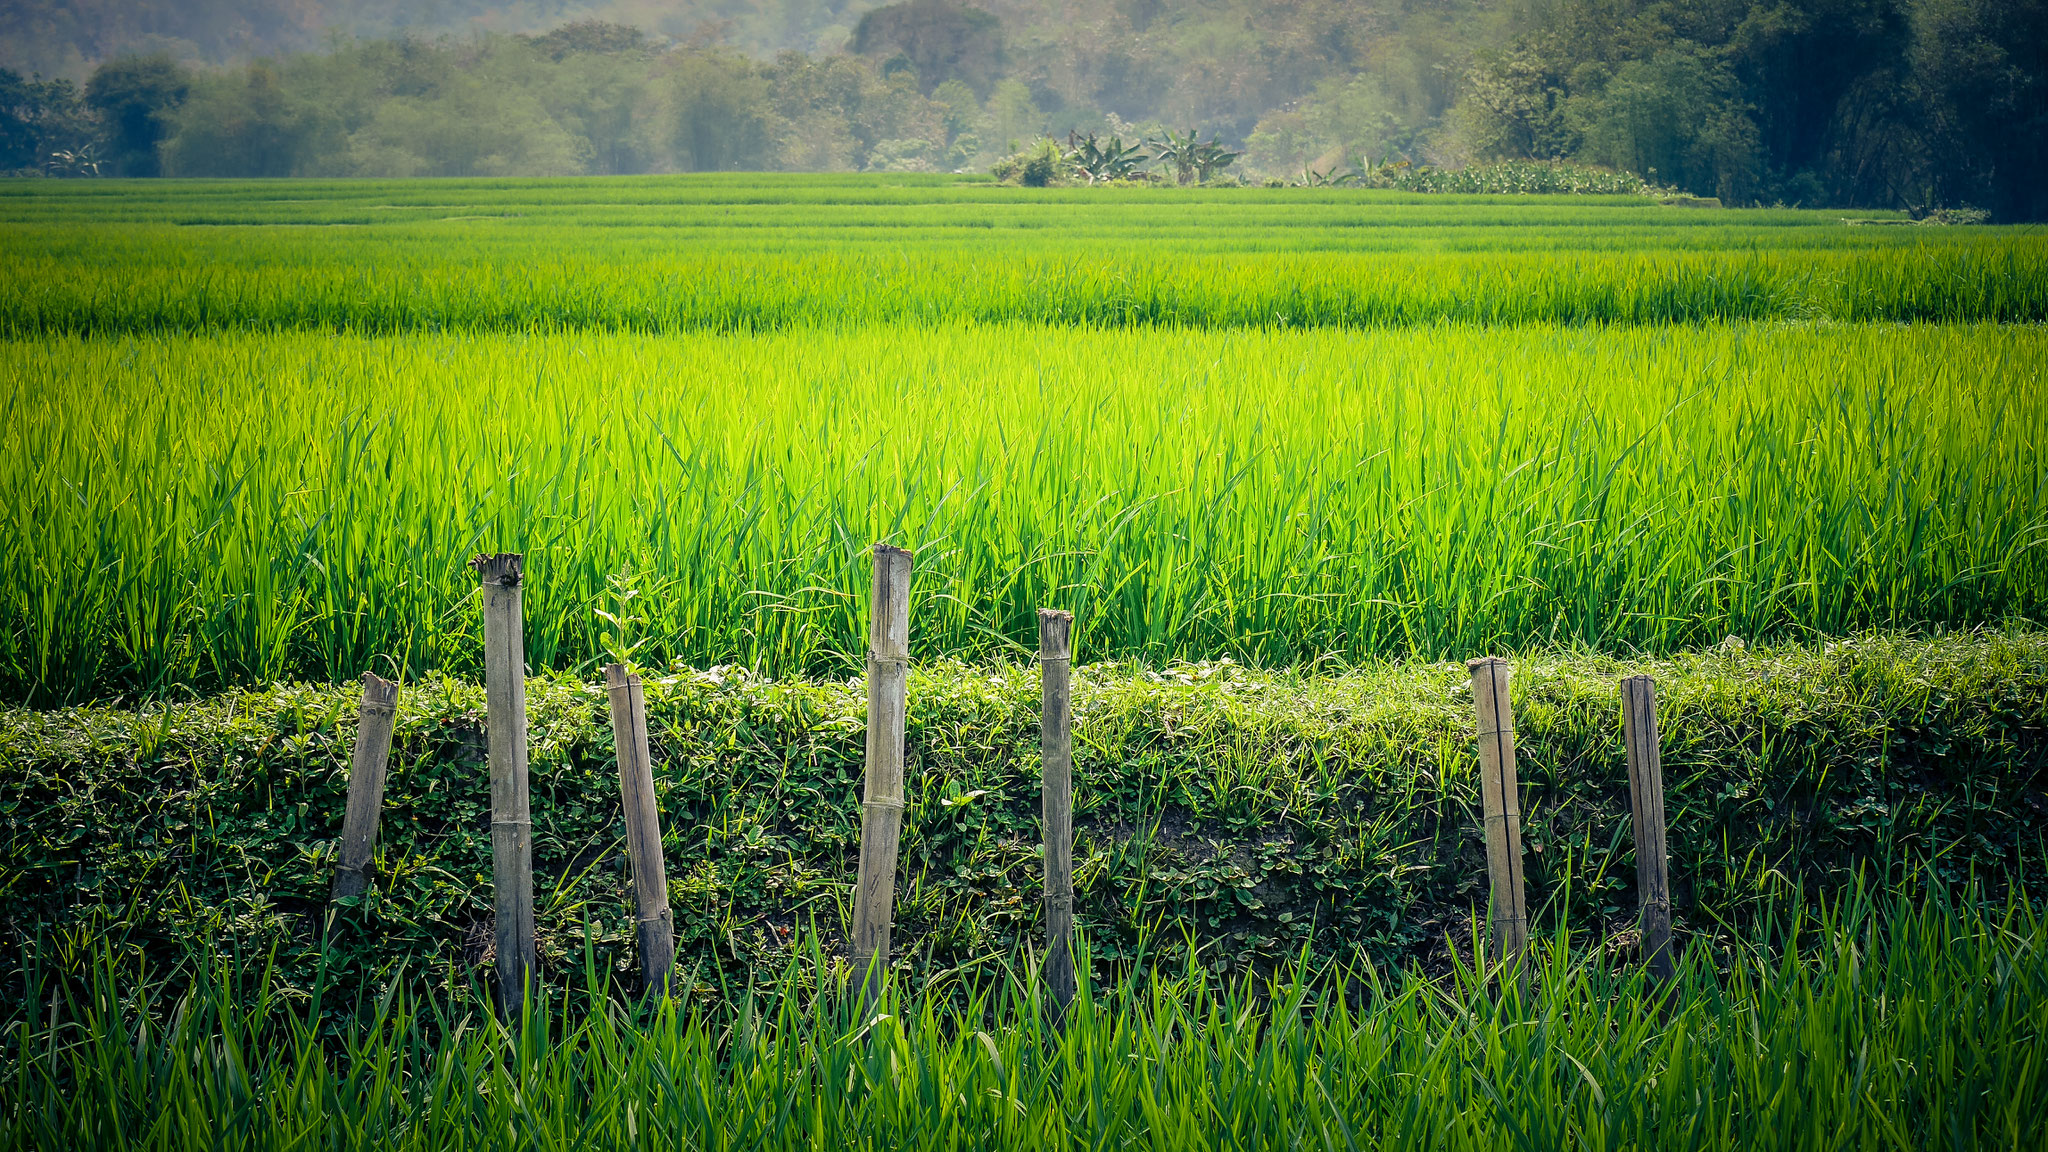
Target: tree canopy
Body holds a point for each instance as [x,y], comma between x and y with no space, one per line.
[1893,103]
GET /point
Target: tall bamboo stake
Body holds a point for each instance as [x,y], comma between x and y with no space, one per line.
[643,827]
[511,816]
[365,785]
[1503,804]
[1056,798]
[1646,806]
[882,792]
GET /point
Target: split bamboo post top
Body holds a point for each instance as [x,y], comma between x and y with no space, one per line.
[1503,804]
[1646,805]
[643,826]
[366,786]
[511,817]
[1055,730]
[882,792]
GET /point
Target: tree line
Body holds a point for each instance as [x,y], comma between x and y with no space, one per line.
[1915,104]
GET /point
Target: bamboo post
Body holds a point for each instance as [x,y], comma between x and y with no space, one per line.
[882,792]
[1646,808]
[365,786]
[1055,729]
[643,827]
[1503,804]
[511,816]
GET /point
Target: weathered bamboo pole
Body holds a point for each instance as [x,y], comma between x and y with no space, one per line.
[365,786]
[643,827]
[1056,799]
[1646,807]
[511,815]
[882,792]
[1503,805]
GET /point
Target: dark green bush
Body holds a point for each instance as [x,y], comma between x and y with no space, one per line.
[1247,816]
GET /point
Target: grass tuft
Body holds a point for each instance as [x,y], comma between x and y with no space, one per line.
[1864,1023]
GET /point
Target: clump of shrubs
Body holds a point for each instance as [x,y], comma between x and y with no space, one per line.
[1506,178]
[1962,215]
[1046,163]
[1092,160]
[1040,166]
[1524,177]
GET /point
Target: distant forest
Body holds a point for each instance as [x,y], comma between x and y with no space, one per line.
[1911,104]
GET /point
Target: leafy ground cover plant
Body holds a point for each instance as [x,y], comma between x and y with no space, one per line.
[1226,819]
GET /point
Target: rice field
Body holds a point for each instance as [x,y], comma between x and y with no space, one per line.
[255,431]
[751,253]
[258,427]
[242,508]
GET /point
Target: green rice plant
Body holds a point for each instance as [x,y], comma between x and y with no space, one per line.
[768,253]
[238,509]
[1868,1024]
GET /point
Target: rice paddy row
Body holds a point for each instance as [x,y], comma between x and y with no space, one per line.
[241,508]
[764,253]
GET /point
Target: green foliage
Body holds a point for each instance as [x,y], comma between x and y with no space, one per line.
[1513,178]
[1096,160]
[1042,165]
[193,512]
[590,38]
[1364,115]
[1013,116]
[588,98]
[1676,116]
[1224,818]
[721,114]
[1310,178]
[1867,1023]
[135,97]
[837,108]
[415,109]
[245,126]
[38,119]
[1979,78]
[1900,104]
[1194,160]
[938,41]
[1814,101]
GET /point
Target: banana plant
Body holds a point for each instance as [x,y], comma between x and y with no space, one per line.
[1367,174]
[1194,160]
[1310,178]
[1096,160]
[84,161]
[1181,151]
[1211,158]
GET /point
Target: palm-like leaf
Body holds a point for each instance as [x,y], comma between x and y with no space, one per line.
[1180,151]
[1194,160]
[1097,160]
[1212,157]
